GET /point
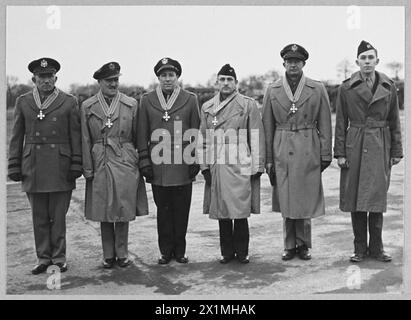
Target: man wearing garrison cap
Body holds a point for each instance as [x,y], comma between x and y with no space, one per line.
[297,125]
[367,145]
[115,190]
[45,155]
[233,167]
[167,115]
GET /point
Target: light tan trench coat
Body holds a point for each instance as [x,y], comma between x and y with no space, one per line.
[117,191]
[296,145]
[233,194]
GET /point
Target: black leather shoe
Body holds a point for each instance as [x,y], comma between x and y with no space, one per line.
[123,262]
[382,256]
[108,263]
[244,260]
[288,254]
[40,268]
[357,257]
[303,253]
[226,259]
[183,259]
[62,265]
[164,260]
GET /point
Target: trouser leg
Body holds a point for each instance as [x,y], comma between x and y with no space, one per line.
[303,232]
[226,237]
[375,223]
[180,210]
[59,203]
[165,230]
[108,240]
[359,225]
[39,203]
[241,237]
[289,233]
[121,239]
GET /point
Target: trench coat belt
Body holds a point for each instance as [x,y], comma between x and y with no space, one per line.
[46,140]
[369,124]
[120,140]
[295,127]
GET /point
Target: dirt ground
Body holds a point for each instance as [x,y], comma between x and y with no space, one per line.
[265,276]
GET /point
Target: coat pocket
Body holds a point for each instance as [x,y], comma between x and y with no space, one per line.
[64,160]
[26,163]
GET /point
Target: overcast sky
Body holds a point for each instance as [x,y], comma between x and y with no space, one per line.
[201,38]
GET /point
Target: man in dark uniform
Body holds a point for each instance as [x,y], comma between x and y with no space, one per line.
[367,144]
[45,154]
[166,115]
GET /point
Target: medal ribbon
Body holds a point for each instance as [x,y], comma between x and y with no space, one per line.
[294,98]
[167,105]
[220,105]
[108,110]
[49,100]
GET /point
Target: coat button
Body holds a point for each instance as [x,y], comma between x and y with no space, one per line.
[37,147]
[37,133]
[52,145]
[54,119]
[177,147]
[44,138]
[365,150]
[54,132]
[291,153]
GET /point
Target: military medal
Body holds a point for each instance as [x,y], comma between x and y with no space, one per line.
[166,116]
[108,110]
[167,105]
[49,100]
[218,105]
[296,96]
[215,121]
[41,115]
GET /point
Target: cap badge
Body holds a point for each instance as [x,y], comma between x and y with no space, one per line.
[294,47]
[43,63]
[368,46]
[164,61]
[111,66]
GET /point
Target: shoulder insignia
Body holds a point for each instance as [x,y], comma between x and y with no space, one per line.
[90,101]
[129,101]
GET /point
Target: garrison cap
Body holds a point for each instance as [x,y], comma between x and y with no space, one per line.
[168,64]
[107,71]
[44,65]
[364,46]
[294,51]
[227,70]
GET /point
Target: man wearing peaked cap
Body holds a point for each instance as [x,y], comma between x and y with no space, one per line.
[227,196]
[367,145]
[115,189]
[166,114]
[45,155]
[297,125]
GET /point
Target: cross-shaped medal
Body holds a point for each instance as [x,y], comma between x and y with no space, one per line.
[109,124]
[293,109]
[166,116]
[215,121]
[41,115]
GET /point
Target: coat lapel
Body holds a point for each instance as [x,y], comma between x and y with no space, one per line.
[232,109]
[180,101]
[56,103]
[361,89]
[32,103]
[153,99]
[381,91]
[281,96]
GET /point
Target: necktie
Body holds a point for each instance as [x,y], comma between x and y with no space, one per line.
[368,81]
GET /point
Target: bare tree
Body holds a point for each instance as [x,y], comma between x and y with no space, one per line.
[395,67]
[345,68]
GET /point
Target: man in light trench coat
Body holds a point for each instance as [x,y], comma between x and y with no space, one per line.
[168,124]
[233,165]
[367,145]
[45,154]
[115,190]
[297,125]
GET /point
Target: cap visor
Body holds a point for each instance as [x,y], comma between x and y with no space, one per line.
[112,76]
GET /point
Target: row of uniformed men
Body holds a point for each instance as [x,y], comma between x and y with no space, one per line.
[53,143]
